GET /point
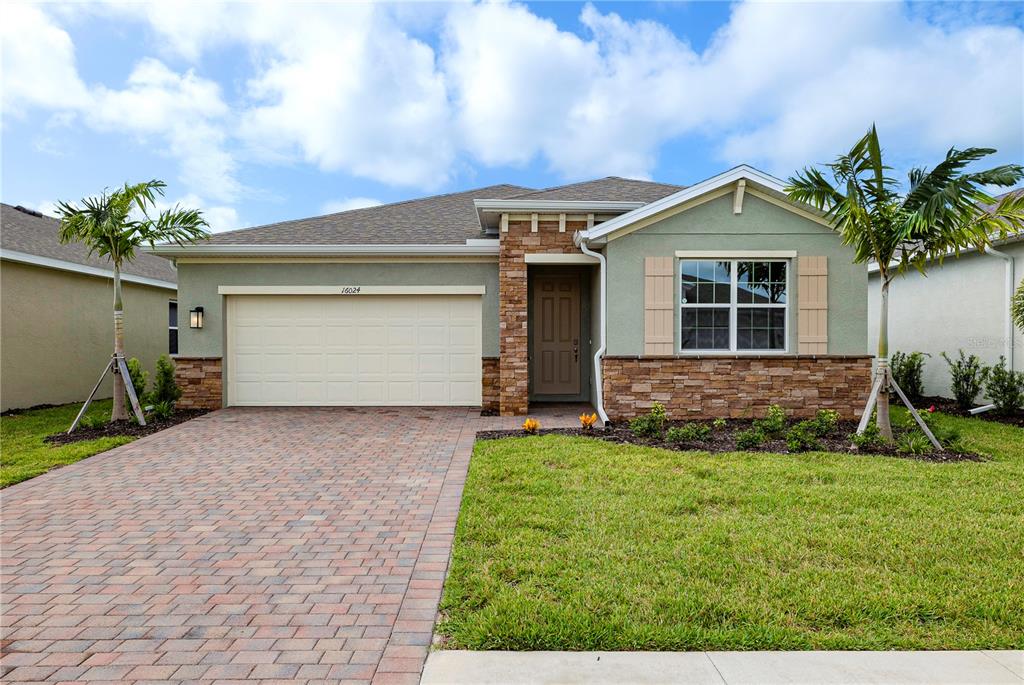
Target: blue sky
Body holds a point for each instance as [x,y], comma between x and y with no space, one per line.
[260,113]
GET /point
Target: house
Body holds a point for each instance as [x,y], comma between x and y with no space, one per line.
[56,312]
[962,303]
[715,300]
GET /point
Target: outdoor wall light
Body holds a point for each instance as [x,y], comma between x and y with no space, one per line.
[195,317]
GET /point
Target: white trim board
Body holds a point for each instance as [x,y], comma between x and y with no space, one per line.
[62,265]
[491,248]
[736,254]
[351,290]
[568,258]
[754,181]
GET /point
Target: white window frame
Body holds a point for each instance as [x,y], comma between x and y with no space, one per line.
[734,303]
[174,327]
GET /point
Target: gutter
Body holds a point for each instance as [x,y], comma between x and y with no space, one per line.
[603,313]
[1008,323]
[201,250]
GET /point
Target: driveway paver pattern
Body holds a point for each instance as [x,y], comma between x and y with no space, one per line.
[298,544]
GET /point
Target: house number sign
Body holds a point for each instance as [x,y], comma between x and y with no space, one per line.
[351,290]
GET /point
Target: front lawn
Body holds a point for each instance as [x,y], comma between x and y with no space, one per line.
[23,454]
[581,544]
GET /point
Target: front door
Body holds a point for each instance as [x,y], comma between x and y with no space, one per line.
[556,335]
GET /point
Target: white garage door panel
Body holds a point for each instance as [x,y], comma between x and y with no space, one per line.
[348,350]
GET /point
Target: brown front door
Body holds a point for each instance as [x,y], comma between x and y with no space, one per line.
[556,335]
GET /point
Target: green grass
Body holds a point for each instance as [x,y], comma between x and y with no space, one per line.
[579,544]
[24,455]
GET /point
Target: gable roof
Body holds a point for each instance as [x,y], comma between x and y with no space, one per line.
[27,234]
[771,187]
[449,219]
[609,189]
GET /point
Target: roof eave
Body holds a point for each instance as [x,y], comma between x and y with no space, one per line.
[407,250]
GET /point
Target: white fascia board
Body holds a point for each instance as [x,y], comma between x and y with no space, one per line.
[745,172]
[559,258]
[549,206]
[484,242]
[201,250]
[62,265]
[352,290]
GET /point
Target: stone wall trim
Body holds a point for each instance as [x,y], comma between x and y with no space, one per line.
[201,382]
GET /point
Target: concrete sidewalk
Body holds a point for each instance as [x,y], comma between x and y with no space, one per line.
[723,668]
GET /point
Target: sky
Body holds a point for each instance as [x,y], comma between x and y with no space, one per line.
[257,113]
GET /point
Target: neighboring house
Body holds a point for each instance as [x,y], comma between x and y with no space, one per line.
[715,300]
[56,312]
[962,303]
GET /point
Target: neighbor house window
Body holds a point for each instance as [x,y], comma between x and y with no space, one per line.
[172,327]
[737,305]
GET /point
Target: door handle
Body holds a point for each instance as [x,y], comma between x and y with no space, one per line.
[575,349]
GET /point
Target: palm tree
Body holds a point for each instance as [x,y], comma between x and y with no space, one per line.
[1017,307]
[113,225]
[940,214]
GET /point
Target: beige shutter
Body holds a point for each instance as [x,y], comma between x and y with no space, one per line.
[812,314]
[659,304]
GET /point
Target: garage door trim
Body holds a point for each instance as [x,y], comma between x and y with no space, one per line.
[352,290]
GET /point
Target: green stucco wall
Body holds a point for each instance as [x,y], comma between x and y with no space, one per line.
[713,226]
[198,283]
[57,332]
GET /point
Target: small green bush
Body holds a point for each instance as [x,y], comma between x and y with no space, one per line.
[870,439]
[690,432]
[162,410]
[138,377]
[774,421]
[750,438]
[824,422]
[718,424]
[908,372]
[1005,387]
[803,437]
[92,421]
[165,389]
[968,376]
[913,443]
[651,424]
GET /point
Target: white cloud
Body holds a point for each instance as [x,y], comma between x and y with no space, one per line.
[348,203]
[219,217]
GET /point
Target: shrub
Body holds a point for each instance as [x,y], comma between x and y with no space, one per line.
[588,421]
[92,421]
[138,377]
[165,389]
[774,421]
[650,424]
[913,443]
[531,426]
[690,432]
[824,422]
[907,371]
[718,424]
[870,439]
[750,438]
[1005,387]
[162,410]
[803,437]
[968,375]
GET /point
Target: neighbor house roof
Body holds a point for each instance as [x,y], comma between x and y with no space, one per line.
[30,237]
[610,189]
[438,220]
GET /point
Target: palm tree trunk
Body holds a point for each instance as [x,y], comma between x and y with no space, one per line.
[884,424]
[119,412]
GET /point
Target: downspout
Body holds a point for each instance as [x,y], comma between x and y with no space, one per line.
[602,313]
[1006,312]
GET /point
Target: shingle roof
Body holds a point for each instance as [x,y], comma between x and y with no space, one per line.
[438,220]
[35,234]
[612,189]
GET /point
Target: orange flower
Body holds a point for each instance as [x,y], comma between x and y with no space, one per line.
[588,420]
[531,425]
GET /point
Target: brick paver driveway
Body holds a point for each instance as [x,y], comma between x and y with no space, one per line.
[295,544]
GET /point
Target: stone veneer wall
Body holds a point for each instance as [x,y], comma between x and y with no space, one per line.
[200,380]
[736,387]
[491,382]
[514,373]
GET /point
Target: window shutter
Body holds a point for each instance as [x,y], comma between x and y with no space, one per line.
[659,305]
[812,314]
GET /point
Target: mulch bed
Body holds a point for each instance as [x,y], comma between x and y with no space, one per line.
[724,440]
[948,406]
[119,428]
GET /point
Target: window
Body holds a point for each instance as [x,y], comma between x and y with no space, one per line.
[737,305]
[172,327]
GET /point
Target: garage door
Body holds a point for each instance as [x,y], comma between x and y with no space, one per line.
[354,350]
